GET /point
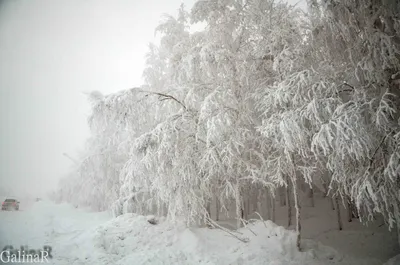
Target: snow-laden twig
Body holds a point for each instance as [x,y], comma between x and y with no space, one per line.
[261,219]
[213,223]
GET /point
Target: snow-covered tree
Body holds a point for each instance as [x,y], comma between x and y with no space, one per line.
[264,96]
[361,42]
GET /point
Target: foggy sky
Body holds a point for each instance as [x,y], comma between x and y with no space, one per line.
[51,51]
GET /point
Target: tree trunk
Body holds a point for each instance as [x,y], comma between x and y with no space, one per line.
[248,203]
[268,204]
[288,191]
[282,196]
[163,209]
[355,211]
[311,196]
[158,208]
[332,203]
[298,210]
[397,218]
[340,225]
[349,210]
[259,204]
[325,189]
[217,206]
[326,195]
[239,210]
[254,198]
[273,209]
[208,218]
[244,210]
[398,231]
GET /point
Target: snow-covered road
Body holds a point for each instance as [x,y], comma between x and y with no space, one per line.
[79,237]
[44,223]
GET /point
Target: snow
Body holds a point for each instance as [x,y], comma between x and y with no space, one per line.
[81,237]
[370,244]
[45,223]
[393,261]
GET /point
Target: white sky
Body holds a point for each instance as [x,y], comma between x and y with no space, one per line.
[50,52]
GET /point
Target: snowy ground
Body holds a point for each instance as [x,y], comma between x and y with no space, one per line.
[80,237]
[372,244]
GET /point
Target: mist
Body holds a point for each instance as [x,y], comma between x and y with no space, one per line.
[51,54]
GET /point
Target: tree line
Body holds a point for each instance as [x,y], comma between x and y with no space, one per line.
[266,101]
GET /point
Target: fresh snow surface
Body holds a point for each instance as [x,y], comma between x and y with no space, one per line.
[81,237]
[370,244]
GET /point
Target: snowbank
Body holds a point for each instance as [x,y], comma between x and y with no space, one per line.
[80,237]
[131,239]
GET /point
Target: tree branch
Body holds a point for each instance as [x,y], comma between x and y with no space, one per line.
[379,146]
[345,90]
[164,97]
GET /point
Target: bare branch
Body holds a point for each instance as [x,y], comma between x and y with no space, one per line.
[164,97]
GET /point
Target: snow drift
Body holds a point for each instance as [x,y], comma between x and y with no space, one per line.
[81,237]
[131,239]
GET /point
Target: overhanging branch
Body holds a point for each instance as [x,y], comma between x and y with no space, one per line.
[164,97]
